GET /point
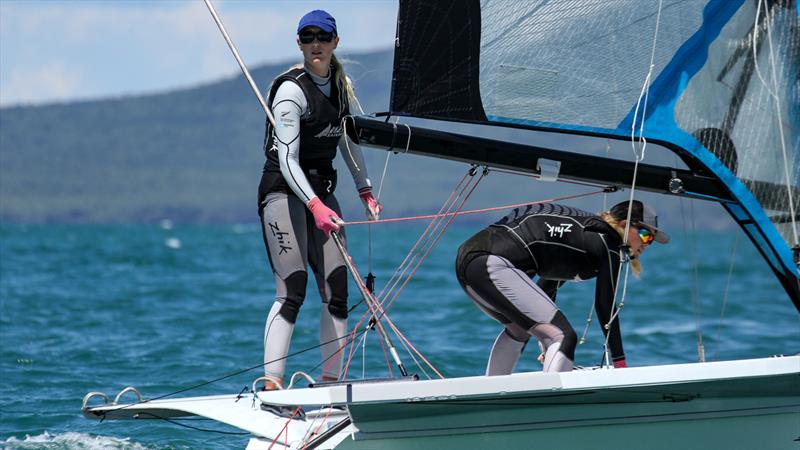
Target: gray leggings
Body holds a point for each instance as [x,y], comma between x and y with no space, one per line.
[508,295]
[293,243]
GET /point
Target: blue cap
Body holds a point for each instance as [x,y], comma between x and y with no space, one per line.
[317,18]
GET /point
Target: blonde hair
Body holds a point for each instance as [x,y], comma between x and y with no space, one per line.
[636,265]
[347,93]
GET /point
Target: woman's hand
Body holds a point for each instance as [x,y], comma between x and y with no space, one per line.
[372,205]
[325,218]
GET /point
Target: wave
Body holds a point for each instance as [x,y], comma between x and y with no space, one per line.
[70,441]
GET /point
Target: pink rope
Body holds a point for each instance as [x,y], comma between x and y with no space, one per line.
[471,211]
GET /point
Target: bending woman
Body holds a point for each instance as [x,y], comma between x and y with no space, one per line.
[559,244]
[296,199]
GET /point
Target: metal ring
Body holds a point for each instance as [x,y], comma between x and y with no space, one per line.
[300,374]
[275,380]
[91,395]
[125,391]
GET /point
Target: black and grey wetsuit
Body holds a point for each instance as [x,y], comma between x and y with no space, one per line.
[299,166]
[557,243]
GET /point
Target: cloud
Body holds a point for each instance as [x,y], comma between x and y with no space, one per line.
[54,81]
[128,47]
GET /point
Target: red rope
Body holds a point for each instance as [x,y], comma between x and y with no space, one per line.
[423,247]
[430,248]
[471,211]
[285,427]
[315,432]
[454,195]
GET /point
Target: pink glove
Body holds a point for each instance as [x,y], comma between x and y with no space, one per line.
[374,207]
[325,218]
[620,363]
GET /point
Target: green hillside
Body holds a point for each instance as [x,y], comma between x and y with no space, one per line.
[188,155]
[194,155]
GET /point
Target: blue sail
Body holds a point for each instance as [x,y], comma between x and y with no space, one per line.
[715,81]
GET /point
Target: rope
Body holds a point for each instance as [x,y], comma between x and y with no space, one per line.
[395,276]
[638,157]
[644,94]
[307,439]
[777,112]
[433,241]
[285,428]
[471,211]
[695,291]
[424,241]
[615,311]
[725,295]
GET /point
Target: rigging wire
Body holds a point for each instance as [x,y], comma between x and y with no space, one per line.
[690,249]
[426,243]
[776,97]
[701,353]
[588,321]
[230,375]
[725,296]
[638,157]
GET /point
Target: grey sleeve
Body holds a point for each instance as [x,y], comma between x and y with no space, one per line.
[354,158]
[288,106]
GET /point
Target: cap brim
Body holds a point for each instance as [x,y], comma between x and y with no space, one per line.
[661,236]
[321,25]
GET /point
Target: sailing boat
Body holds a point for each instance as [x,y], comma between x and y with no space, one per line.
[713,82]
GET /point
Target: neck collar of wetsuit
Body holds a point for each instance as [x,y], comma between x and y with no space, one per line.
[318,80]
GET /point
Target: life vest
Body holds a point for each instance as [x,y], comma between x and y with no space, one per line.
[320,131]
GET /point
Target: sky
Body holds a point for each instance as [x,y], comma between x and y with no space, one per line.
[67,50]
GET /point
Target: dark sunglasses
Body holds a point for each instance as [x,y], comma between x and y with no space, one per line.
[646,235]
[307,37]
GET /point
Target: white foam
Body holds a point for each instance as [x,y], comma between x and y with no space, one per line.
[173,243]
[70,440]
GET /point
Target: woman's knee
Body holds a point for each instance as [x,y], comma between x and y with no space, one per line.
[295,295]
[569,339]
[337,302]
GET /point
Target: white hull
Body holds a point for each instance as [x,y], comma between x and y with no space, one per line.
[733,405]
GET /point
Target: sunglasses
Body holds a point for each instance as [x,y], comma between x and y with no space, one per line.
[646,235]
[307,37]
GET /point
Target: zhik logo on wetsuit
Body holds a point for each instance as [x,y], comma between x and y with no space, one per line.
[559,229]
[330,131]
[283,242]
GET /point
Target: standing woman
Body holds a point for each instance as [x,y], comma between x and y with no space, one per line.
[296,203]
[559,244]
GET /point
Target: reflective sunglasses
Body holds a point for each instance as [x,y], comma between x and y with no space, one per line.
[646,235]
[308,36]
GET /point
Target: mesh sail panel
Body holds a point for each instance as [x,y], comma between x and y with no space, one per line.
[575,62]
[723,88]
[743,105]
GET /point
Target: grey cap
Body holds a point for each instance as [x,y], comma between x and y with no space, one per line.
[641,214]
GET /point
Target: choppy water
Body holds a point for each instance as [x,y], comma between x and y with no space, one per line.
[98,308]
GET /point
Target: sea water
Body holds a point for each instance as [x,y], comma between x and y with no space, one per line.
[169,307]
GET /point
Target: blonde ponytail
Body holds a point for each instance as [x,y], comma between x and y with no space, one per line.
[346,92]
[636,265]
